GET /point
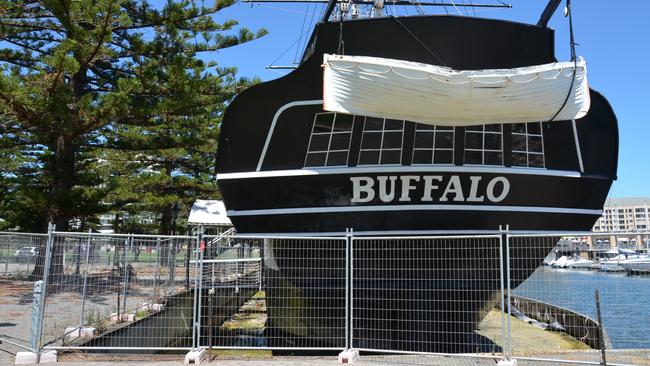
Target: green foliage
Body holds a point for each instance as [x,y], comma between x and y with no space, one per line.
[107,105]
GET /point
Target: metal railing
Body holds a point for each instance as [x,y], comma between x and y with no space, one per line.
[460,295]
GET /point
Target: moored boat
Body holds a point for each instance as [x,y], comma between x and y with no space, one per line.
[611,264]
[580,263]
[636,265]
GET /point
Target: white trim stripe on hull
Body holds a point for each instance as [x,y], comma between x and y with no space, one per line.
[398,169]
[383,208]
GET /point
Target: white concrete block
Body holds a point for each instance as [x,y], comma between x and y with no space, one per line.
[349,356]
[75,332]
[28,358]
[156,307]
[124,318]
[196,357]
[25,358]
[48,357]
[505,362]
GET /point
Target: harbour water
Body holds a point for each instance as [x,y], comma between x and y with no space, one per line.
[625,300]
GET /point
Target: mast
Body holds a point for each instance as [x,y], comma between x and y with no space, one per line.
[548,12]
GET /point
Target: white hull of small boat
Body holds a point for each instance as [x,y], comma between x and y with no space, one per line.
[611,266]
[402,90]
[636,265]
[560,262]
[581,264]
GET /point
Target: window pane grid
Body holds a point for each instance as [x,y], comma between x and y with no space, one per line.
[427,147]
[329,142]
[381,142]
[484,145]
[528,145]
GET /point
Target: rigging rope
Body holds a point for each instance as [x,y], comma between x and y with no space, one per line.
[573,58]
[452,3]
[419,41]
[341,48]
[302,29]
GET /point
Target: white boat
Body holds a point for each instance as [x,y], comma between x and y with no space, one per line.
[560,262]
[636,265]
[580,263]
[612,264]
[403,90]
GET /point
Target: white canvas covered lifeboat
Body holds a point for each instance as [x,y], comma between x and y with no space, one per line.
[403,90]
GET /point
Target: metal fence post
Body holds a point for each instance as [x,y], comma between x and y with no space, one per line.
[85,282]
[36,314]
[171,263]
[127,250]
[502,266]
[199,279]
[43,295]
[505,235]
[156,277]
[348,289]
[196,331]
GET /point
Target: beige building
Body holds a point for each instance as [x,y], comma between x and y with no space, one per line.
[630,214]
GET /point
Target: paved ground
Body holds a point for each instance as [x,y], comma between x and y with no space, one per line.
[630,357]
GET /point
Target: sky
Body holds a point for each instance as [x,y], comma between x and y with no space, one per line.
[613,38]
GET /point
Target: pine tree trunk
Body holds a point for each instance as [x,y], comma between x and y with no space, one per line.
[60,168]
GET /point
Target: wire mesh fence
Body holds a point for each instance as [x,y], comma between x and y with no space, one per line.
[530,296]
[427,294]
[19,253]
[114,291]
[562,296]
[282,293]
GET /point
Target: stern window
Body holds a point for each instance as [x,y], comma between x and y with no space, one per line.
[433,144]
[484,145]
[329,143]
[527,145]
[381,142]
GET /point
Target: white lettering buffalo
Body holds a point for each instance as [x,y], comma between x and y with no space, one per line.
[365,189]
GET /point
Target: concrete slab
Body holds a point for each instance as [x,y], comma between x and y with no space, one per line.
[196,357]
[349,356]
[28,358]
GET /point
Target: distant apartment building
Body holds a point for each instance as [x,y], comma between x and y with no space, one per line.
[625,214]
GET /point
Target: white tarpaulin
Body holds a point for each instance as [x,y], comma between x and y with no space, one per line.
[402,90]
[209,212]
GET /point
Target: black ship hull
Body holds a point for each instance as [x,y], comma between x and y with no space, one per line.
[419,295]
[285,166]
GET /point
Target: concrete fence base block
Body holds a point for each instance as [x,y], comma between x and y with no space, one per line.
[123,318]
[75,332]
[156,307]
[196,357]
[349,356]
[507,363]
[28,358]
